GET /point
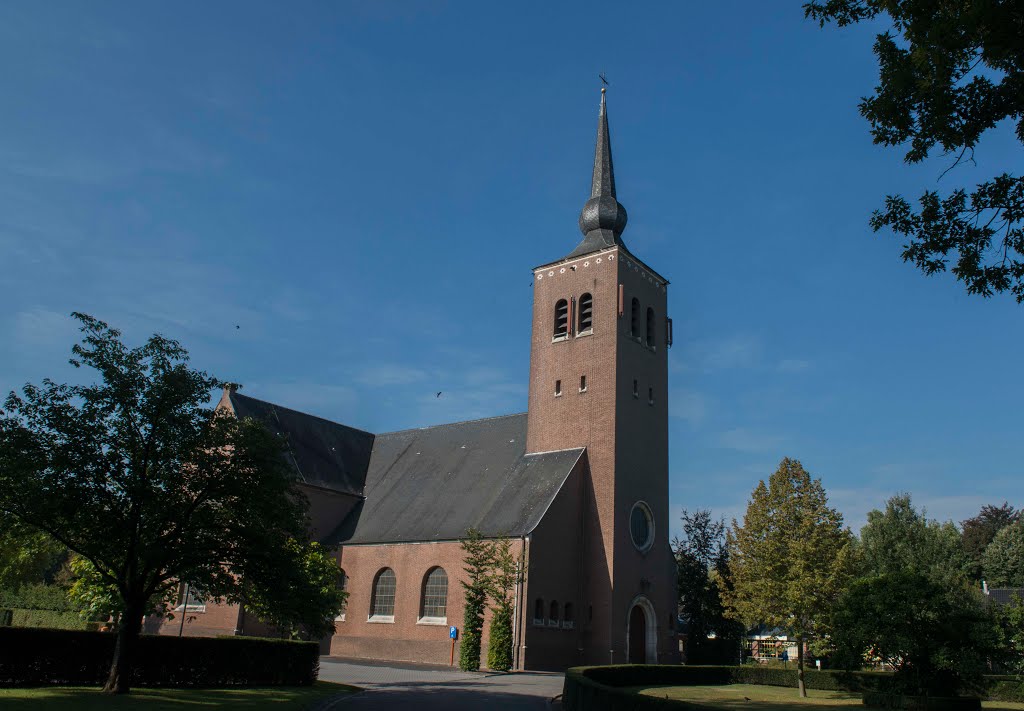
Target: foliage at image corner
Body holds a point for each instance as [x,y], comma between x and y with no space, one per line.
[137,475]
[948,73]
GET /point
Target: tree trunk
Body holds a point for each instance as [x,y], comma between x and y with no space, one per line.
[800,666]
[119,679]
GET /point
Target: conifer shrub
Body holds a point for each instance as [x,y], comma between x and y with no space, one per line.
[499,650]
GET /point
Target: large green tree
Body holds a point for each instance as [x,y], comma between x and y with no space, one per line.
[937,637]
[948,72]
[977,532]
[702,566]
[903,539]
[141,477]
[1003,562]
[27,555]
[790,559]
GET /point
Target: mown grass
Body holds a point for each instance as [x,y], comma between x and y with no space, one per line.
[90,699]
[750,697]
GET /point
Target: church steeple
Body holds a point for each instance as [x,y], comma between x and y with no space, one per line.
[603,218]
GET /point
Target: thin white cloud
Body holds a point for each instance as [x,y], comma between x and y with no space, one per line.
[42,328]
[390,374]
[688,405]
[743,439]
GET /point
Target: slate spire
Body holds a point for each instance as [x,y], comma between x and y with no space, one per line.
[603,219]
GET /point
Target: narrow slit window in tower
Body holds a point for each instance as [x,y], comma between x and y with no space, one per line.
[583,383]
[561,319]
[636,388]
[586,320]
[650,396]
[558,388]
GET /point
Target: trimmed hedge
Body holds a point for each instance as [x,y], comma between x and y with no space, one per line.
[1005,688]
[879,700]
[50,619]
[43,657]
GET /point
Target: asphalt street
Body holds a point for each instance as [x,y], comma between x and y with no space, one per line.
[437,689]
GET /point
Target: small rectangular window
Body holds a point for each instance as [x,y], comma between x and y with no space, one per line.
[583,383]
[650,396]
[558,388]
[636,388]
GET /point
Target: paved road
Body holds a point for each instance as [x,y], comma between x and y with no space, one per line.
[430,689]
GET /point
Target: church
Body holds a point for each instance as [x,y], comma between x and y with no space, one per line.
[578,483]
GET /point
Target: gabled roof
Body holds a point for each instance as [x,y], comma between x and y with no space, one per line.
[1004,596]
[434,483]
[429,484]
[324,453]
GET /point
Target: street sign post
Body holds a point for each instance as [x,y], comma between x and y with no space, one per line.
[453,632]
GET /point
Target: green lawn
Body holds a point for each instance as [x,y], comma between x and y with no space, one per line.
[87,699]
[750,697]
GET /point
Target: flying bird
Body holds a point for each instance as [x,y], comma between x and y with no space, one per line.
[237,326]
[438,394]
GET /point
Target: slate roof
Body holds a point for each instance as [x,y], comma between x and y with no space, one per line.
[428,484]
[324,453]
[432,484]
[1004,596]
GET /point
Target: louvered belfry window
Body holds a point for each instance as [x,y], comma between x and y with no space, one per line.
[634,318]
[435,594]
[561,318]
[650,327]
[586,320]
[383,604]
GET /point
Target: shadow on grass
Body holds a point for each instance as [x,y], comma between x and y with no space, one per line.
[742,697]
[145,699]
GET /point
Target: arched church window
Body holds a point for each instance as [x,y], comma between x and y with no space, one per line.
[382,604]
[561,318]
[435,595]
[586,320]
[341,583]
[553,614]
[650,327]
[634,318]
[567,619]
[538,612]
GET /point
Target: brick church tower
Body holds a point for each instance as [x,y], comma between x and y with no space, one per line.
[599,380]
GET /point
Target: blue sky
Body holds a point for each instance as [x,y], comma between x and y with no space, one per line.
[363,189]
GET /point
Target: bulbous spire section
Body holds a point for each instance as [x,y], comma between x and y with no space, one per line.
[603,218]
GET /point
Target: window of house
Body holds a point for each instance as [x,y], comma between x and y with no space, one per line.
[341,583]
[561,319]
[586,318]
[538,612]
[434,607]
[650,327]
[558,388]
[553,614]
[189,600]
[583,383]
[382,604]
[568,622]
[634,318]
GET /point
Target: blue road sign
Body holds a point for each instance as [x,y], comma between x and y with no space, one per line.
[453,632]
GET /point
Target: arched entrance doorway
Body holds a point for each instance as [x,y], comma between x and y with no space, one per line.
[641,632]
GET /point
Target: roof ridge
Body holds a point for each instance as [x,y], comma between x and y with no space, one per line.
[451,424]
[304,414]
